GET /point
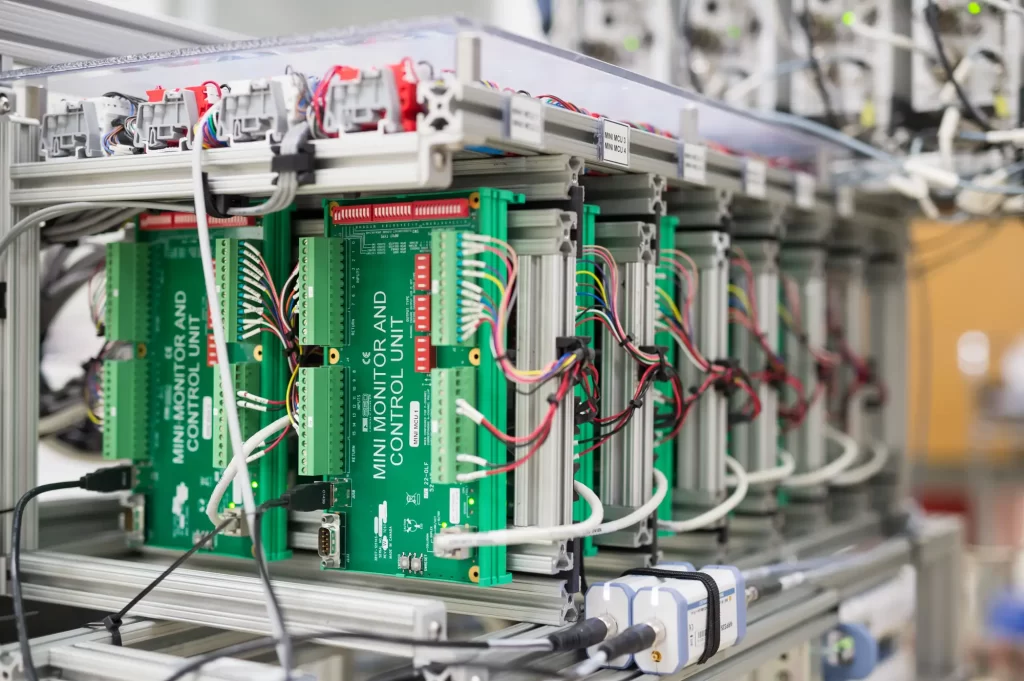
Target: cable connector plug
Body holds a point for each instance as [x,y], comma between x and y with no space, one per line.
[113,479]
[587,633]
[313,496]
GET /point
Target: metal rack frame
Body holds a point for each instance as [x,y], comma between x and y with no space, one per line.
[460,119]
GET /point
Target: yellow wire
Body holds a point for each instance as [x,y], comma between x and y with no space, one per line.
[288,398]
[493,279]
[741,295]
[600,286]
[672,304]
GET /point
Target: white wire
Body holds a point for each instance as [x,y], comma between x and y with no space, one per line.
[528,535]
[257,440]
[856,476]
[826,473]
[640,513]
[776,474]
[720,511]
[895,39]
[36,219]
[1005,6]
[590,665]
[230,405]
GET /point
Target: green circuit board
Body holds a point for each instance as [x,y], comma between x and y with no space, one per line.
[381,290]
[161,407]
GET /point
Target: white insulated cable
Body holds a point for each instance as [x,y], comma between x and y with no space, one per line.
[528,535]
[718,512]
[863,473]
[640,513]
[230,405]
[828,472]
[257,440]
[769,475]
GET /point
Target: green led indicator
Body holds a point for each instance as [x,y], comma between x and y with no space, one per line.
[849,18]
[734,32]
[444,525]
[632,43]
[471,501]
[974,7]
[231,504]
[255,484]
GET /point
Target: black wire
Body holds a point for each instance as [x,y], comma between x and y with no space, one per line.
[131,98]
[287,648]
[819,76]
[171,568]
[931,15]
[29,669]
[6,510]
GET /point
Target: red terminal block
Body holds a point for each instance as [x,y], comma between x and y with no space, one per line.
[203,102]
[421,312]
[422,277]
[424,355]
[211,351]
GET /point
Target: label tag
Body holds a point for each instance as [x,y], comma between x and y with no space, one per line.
[454,506]
[755,178]
[526,120]
[805,191]
[414,424]
[694,160]
[613,144]
[844,202]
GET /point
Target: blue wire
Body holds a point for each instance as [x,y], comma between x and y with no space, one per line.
[592,295]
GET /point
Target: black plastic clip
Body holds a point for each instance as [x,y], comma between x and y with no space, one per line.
[3,300]
[219,205]
[302,163]
[661,373]
[725,384]
[582,413]
[578,345]
[112,623]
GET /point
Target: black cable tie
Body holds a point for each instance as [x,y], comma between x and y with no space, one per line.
[112,623]
[713,629]
[636,403]
[628,339]
[302,163]
[553,399]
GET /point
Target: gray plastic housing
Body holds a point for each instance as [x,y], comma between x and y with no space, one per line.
[169,120]
[77,128]
[370,100]
[253,112]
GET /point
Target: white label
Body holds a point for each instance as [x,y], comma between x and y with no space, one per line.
[695,163]
[614,142]
[414,424]
[755,178]
[844,202]
[207,417]
[526,120]
[805,190]
[454,506]
[309,292]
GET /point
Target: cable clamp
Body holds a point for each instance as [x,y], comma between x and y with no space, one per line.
[219,205]
[302,163]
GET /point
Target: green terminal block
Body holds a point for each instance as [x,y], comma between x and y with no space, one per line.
[444,274]
[321,420]
[127,308]
[452,434]
[321,288]
[125,405]
[230,268]
[246,377]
